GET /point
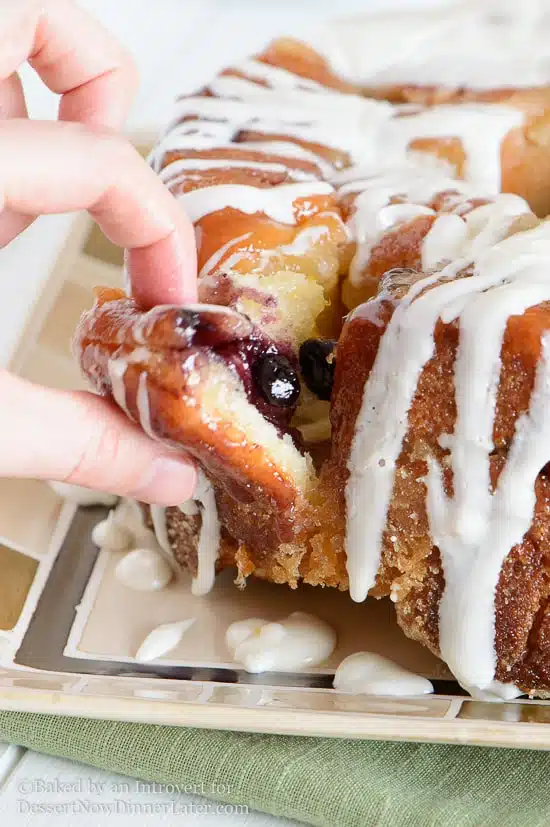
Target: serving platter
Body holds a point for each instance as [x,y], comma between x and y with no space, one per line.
[69,630]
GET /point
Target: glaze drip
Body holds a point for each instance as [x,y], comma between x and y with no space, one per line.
[477,527]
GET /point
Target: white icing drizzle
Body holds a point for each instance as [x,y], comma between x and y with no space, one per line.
[457,237]
[480,127]
[473,554]
[304,241]
[163,639]
[374,134]
[367,673]
[458,234]
[372,212]
[208,549]
[179,139]
[496,691]
[145,567]
[116,368]
[142,404]
[476,528]
[298,641]
[183,170]
[383,201]
[276,202]
[160,528]
[209,538]
[287,149]
[328,118]
[360,48]
[111,535]
[210,265]
[276,77]
[129,515]
[480,44]
[189,508]
[144,570]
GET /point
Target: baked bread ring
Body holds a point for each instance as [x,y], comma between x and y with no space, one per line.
[308,198]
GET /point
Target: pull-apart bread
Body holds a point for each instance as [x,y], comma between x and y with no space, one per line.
[365,384]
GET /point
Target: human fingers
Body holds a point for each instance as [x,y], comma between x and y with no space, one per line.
[74,55]
[51,167]
[80,438]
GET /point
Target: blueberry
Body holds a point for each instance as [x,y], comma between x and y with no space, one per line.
[277,381]
[317,364]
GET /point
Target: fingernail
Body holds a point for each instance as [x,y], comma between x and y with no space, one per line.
[168,482]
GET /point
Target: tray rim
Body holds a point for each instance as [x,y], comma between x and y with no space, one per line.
[98,702]
[311,723]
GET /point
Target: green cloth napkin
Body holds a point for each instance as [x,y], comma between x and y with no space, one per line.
[321,781]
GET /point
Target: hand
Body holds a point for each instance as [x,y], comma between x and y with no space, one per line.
[52,167]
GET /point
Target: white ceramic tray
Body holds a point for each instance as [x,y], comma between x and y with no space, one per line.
[69,630]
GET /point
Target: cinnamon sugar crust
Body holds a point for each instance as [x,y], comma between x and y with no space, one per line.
[410,570]
[286,275]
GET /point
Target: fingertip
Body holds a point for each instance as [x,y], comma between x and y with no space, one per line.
[79,59]
[170,481]
[104,101]
[81,439]
[166,272]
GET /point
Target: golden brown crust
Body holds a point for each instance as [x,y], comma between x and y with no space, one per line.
[301,59]
[182,380]
[271,527]
[410,569]
[525,155]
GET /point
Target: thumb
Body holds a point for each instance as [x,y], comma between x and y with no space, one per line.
[79,438]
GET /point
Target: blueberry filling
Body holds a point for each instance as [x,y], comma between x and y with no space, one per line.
[317,364]
[270,379]
[268,371]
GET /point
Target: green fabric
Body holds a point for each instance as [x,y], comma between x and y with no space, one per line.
[325,782]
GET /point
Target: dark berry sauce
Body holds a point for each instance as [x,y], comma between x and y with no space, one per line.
[268,371]
[270,378]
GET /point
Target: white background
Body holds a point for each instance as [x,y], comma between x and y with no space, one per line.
[177,45]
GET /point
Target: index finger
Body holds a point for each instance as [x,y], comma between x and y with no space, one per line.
[73,54]
[52,167]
